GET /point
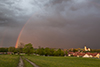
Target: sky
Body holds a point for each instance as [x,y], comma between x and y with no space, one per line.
[50,23]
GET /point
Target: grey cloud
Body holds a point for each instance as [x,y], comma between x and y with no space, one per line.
[54,23]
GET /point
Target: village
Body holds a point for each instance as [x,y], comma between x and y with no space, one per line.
[86,54]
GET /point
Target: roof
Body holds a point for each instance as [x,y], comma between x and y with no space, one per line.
[82,54]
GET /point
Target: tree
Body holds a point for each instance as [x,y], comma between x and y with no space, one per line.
[40,51]
[55,53]
[75,50]
[71,50]
[47,51]
[20,48]
[59,52]
[28,49]
[52,52]
[66,53]
[11,49]
[3,49]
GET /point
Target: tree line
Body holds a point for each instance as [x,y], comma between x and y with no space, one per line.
[28,49]
[50,52]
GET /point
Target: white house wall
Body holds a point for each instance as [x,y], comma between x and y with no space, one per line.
[86,55]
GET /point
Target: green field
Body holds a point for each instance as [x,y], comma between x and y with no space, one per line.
[64,61]
[26,63]
[12,61]
[9,60]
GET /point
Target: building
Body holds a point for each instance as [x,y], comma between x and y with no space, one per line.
[86,55]
[86,49]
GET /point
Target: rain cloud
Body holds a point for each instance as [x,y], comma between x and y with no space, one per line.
[50,23]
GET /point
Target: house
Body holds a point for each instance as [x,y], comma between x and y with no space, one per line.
[75,55]
[90,54]
[86,55]
[70,53]
[9,53]
[81,54]
[1,53]
[96,55]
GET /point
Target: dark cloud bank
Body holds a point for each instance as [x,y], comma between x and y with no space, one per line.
[53,23]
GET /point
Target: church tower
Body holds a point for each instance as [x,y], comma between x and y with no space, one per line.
[85,48]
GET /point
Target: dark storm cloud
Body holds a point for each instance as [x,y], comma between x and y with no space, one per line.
[10,23]
[54,23]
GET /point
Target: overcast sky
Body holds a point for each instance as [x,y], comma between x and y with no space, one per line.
[50,23]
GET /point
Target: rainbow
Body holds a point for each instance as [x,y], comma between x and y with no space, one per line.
[17,42]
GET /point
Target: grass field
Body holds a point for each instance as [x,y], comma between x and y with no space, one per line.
[9,60]
[26,64]
[64,61]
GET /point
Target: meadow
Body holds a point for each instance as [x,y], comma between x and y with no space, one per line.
[43,61]
[49,61]
[9,60]
[26,63]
